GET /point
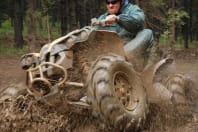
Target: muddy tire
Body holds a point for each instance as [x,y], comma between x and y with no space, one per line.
[116,92]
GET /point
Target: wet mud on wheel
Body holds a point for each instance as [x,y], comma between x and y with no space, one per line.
[116,92]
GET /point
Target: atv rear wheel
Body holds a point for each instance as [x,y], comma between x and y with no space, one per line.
[115,90]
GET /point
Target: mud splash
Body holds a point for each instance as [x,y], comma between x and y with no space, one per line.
[24,113]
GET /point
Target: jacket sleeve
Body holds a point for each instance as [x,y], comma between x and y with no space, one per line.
[131,18]
[102,17]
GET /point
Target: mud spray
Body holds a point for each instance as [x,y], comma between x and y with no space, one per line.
[24,113]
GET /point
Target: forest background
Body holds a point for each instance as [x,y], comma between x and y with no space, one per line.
[31,23]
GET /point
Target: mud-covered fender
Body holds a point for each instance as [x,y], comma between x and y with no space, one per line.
[150,74]
[29,60]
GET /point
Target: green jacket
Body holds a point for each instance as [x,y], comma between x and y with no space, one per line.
[131,20]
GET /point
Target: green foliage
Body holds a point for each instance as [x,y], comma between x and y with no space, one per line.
[8,50]
[49,15]
[175,16]
[46,4]
[54,29]
[103,6]
[165,34]
[178,43]
[3,10]
[156,3]
[6,27]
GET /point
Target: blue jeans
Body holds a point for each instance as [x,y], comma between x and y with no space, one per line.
[137,49]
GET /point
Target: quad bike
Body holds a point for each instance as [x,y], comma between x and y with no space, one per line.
[94,63]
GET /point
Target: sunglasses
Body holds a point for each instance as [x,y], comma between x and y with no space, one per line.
[112,2]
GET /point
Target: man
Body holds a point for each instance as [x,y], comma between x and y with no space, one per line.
[127,20]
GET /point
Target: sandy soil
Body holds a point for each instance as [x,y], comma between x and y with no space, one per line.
[41,116]
[10,71]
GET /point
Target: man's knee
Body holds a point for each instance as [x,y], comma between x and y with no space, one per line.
[147,34]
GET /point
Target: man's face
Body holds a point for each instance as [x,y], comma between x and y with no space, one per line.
[113,6]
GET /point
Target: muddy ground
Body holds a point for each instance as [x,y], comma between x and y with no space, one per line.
[31,115]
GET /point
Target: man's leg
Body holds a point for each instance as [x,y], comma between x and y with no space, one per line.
[137,50]
[141,43]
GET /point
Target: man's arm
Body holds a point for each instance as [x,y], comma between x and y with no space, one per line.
[132,18]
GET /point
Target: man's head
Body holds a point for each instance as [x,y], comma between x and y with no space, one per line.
[113,6]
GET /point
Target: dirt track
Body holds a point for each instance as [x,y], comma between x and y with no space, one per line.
[39,116]
[10,71]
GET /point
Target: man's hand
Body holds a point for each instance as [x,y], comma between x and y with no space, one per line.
[111,19]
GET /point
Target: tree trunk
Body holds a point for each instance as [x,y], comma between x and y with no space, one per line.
[172,28]
[63,15]
[73,17]
[172,36]
[137,2]
[191,24]
[186,29]
[186,37]
[40,19]
[31,25]
[18,22]
[82,13]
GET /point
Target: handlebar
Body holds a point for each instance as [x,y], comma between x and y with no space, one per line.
[96,22]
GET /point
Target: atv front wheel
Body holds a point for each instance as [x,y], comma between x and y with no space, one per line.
[115,90]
